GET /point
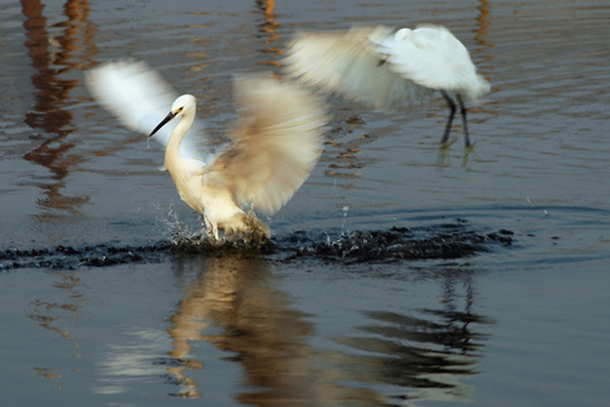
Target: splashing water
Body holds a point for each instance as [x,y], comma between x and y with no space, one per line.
[345,211]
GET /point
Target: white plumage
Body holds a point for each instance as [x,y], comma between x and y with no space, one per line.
[275,144]
[385,69]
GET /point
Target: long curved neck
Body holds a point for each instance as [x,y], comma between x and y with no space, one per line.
[173,145]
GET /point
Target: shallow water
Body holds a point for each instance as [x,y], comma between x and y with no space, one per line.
[524,323]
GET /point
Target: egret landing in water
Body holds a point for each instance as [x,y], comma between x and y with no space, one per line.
[385,69]
[275,144]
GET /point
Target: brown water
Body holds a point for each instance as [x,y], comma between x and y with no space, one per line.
[525,324]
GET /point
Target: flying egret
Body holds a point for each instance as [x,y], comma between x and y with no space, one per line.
[384,68]
[275,144]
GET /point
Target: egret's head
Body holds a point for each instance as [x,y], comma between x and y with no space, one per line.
[402,34]
[184,105]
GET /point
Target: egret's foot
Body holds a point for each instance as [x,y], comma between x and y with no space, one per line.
[246,231]
[467,151]
[445,145]
[212,238]
[253,240]
[443,153]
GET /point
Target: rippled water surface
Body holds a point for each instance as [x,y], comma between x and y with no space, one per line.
[497,294]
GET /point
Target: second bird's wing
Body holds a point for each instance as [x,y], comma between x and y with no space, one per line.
[139,97]
[276,144]
[347,62]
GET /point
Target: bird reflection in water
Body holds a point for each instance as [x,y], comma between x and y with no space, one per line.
[235,305]
[234,298]
[428,355]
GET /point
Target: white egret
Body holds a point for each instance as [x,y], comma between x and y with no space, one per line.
[385,69]
[275,143]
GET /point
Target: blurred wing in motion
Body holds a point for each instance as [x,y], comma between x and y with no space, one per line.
[347,62]
[276,144]
[140,98]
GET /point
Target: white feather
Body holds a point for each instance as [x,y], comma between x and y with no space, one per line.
[432,57]
[347,62]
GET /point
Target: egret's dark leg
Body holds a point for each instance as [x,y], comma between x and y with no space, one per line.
[463,110]
[451,105]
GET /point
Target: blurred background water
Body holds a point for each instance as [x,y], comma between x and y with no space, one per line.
[520,325]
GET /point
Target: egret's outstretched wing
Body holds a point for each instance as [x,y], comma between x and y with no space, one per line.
[140,98]
[347,62]
[276,144]
[431,56]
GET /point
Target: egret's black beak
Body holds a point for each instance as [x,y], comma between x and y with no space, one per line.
[169,117]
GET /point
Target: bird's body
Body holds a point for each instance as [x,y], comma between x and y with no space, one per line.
[384,68]
[432,57]
[275,144]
